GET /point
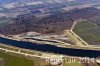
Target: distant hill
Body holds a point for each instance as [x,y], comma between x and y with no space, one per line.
[43,18]
[55,23]
[82,1]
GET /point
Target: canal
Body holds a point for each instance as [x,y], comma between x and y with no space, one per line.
[51,48]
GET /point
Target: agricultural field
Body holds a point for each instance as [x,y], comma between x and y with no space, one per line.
[15,61]
[76,62]
[71,63]
[11,59]
[88,31]
[4,21]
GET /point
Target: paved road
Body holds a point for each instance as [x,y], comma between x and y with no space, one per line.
[73,38]
[48,57]
[77,39]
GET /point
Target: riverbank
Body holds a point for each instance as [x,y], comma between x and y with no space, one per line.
[63,45]
[51,48]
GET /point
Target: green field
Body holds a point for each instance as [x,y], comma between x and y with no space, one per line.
[88,31]
[71,62]
[15,61]
[12,59]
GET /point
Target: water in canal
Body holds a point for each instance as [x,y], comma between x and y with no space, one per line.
[51,48]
